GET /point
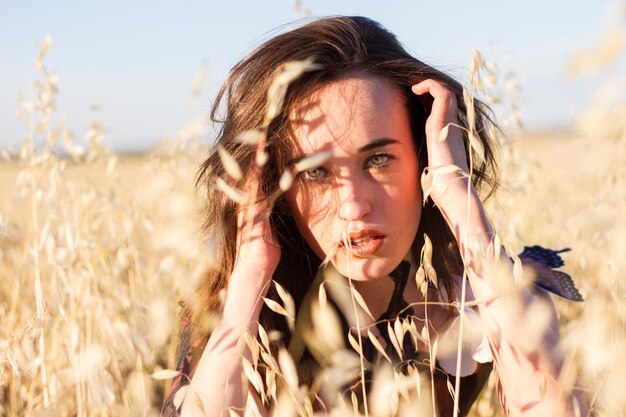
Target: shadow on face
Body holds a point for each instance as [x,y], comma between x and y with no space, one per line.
[366,198]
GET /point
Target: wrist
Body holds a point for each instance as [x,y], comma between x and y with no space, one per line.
[244,296]
[250,278]
[465,216]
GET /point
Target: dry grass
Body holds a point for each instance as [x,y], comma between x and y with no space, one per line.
[96,249]
[115,251]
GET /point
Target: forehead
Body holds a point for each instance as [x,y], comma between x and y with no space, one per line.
[347,113]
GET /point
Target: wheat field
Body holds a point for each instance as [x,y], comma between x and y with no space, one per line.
[97,248]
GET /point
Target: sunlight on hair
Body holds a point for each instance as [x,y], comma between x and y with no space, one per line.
[99,247]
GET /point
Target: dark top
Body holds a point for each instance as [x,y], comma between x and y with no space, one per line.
[541,260]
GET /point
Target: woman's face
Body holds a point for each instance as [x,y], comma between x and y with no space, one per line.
[368,191]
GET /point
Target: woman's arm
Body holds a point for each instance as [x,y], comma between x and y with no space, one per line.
[528,358]
[218,383]
[529,366]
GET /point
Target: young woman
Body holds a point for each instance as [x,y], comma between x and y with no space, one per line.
[342,129]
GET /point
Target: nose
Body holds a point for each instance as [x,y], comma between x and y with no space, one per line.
[354,203]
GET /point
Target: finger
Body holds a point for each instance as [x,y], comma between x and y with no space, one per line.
[443,112]
[434,87]
[252,215]
[444,106]
[253,187]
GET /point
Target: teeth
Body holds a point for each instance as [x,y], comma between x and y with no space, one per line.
[360,241]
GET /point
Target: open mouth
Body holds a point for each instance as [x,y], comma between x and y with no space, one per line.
[364,242]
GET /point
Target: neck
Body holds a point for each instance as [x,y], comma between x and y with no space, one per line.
[378,293]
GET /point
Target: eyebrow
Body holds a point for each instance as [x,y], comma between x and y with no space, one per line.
[375,144]
[378,143]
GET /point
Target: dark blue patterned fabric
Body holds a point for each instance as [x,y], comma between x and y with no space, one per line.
[542,260]
[548,257]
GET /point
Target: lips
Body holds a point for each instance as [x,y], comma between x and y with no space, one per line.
[363,241]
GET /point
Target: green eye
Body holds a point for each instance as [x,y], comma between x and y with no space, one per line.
[313,174]
[378,160]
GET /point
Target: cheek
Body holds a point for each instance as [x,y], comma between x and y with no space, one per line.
[413,181]
[304,205]
[312,213]
[407,207]
[404,207]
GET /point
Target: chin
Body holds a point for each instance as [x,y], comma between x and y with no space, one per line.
[360,269]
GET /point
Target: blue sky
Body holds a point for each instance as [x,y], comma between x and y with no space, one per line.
[136,60]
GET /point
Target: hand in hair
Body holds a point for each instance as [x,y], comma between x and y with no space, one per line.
[450,186]
[502,316]
[444,150]
[258,252]
[216,383]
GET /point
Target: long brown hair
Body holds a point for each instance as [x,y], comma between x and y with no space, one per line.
[339,45]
